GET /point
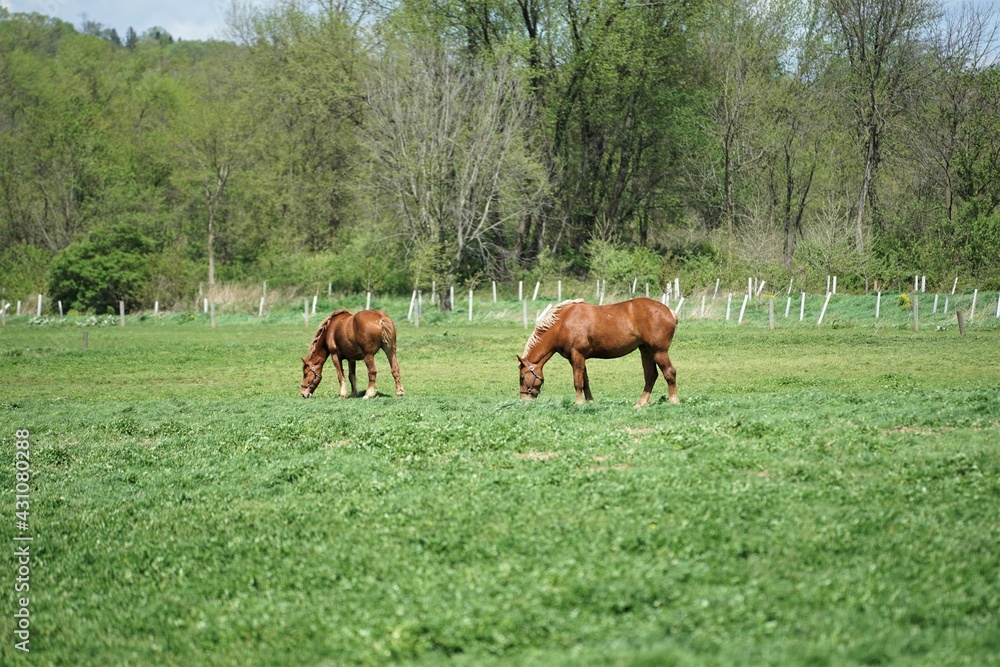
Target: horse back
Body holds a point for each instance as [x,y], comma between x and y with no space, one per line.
[616,329]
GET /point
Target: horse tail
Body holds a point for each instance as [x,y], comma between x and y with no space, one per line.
[388,334]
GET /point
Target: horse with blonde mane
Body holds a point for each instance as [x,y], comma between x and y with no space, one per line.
[580,331]
[352,337]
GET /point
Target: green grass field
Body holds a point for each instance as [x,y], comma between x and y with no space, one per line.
[822,496]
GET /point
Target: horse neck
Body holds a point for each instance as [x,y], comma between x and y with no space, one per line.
[318,352]
[542,350]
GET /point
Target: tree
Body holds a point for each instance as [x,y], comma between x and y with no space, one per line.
[111,265]
[131,39]
[212,140]
[881,40]
[449,152]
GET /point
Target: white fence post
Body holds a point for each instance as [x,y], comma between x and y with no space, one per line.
[39,305]
[729,305]
[494,291]
[972,311]
[121,312]
[537,285]
[470,305]
[823,312]
[559,291]
[520,290]
[878,304]
[413,302]
[802,306]
[368,301]
[746,297]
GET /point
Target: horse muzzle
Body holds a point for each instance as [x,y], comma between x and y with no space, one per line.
[306,393]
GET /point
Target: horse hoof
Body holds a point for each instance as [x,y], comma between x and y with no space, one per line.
[675,400]
[399,393]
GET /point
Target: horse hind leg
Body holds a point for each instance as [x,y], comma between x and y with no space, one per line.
[370,363]
[390,353]
[352,367]
[649,373]
[669,374]
[586,386]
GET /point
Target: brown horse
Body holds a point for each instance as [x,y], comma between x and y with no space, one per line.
[352,337]
[580,331]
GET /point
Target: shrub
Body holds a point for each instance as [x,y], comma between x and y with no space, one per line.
[110,265]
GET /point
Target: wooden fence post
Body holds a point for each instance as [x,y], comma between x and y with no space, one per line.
[961,322]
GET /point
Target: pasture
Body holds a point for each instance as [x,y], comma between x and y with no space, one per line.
[821,496]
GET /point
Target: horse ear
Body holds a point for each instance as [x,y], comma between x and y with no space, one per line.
[303,360]
[520,360]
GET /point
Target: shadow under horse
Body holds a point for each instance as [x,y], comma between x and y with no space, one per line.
[579,331]
[354,338]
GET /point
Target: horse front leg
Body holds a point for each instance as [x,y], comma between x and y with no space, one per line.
[338,363]
[649,372]
[669,374]
[370,363]
[352,366]
[579,376]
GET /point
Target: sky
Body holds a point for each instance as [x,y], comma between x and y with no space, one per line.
[184,19]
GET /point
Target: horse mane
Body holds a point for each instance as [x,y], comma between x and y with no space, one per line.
[323,326]
[546,323]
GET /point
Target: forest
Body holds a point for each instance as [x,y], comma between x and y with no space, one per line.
[384,145]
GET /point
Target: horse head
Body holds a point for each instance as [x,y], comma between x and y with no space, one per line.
[531,379]
[312,373]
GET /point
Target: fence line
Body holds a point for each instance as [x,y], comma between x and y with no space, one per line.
[974,309]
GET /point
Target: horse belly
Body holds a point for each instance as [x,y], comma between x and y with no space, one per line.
[611,346]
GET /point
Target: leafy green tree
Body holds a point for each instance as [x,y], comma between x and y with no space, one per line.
[111,264]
